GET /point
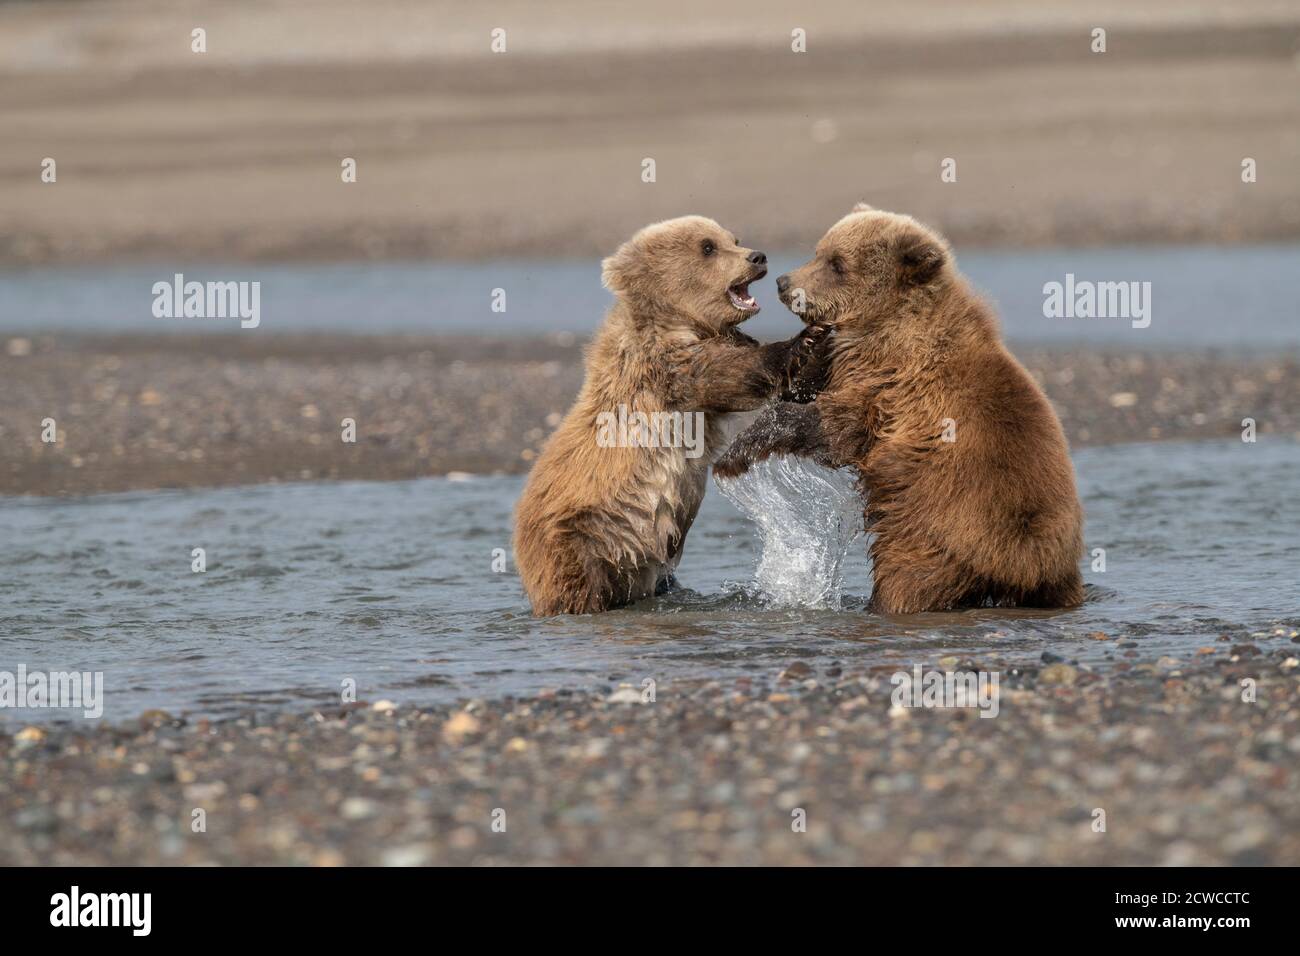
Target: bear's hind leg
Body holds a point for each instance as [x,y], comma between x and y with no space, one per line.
[909,587]
[1064,593]
[576,582]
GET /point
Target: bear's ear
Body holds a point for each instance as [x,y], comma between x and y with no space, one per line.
[616,270]
[863,207]
[919,259]
[610,275]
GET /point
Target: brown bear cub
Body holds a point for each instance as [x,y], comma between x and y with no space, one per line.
[962,463]
[606,509]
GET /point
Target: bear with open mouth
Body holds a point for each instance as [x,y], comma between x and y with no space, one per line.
[606,509]
[964,469]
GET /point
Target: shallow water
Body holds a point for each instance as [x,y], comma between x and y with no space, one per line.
[1239,297]
[391,584]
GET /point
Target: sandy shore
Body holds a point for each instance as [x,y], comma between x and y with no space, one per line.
[1186,772]
[167,155]
[186,411]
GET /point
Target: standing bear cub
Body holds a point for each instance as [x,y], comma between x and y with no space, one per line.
[606,509]
[968,486]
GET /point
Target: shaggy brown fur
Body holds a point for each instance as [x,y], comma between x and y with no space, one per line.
[990,518]
[602,526]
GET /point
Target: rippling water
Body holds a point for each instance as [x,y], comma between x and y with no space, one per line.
[391,584]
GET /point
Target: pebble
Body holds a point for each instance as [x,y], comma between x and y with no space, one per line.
[1058,674]
[154,718]
[461,724]
[40,819]
[414,855]
[358,808]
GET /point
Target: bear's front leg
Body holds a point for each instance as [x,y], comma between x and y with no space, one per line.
[808,368]
[734,373]
[781,429]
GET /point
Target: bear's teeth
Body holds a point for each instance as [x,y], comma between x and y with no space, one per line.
[742,300]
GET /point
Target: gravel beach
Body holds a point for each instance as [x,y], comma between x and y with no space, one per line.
[137,412]
[1185,770]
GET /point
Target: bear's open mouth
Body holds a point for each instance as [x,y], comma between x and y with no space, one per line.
[740,297]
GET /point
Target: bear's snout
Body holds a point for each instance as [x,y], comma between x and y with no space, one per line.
[783,282]
[757,258]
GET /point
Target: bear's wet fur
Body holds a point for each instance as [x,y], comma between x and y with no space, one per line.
[599,525]
[963,465]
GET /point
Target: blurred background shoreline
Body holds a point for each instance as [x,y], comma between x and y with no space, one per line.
[462,153]
[517,171]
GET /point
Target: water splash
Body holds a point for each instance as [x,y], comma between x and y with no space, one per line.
[808,518]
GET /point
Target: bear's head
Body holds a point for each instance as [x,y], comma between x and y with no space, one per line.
[689,272]
[870,267]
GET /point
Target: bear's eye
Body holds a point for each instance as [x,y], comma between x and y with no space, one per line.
[707,247]
[837,265]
